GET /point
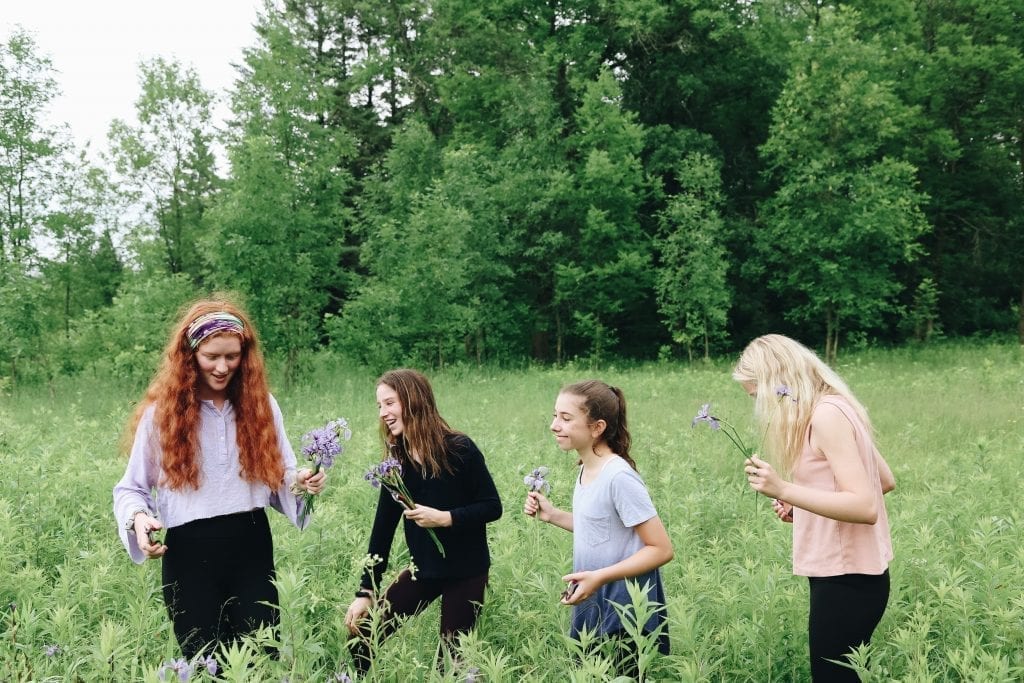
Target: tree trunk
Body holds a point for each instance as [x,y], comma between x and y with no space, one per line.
[1020,317]
[831,336]
[558,336]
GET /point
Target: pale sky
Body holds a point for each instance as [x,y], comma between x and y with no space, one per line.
[96,46]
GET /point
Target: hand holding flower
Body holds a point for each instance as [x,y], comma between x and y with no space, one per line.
[586,584]
[428,517]
[321,447]
[388,474]
[536,505]
[762,477]
[310,482]
[145,525]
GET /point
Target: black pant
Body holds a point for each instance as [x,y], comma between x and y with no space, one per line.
[461,600]
[844,613]
[217,575]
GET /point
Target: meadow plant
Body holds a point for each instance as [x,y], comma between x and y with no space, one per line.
[633,617]
[735,611]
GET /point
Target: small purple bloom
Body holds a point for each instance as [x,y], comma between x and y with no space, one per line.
[340,677]
[782,391]
[52,650]
[179,667]
[703,415]
[536,481]
[210,663]
[472,675]
[324,444]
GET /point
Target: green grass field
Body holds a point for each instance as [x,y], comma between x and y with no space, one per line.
[950,421]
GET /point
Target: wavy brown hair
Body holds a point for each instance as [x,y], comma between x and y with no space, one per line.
[604,402]
[425,431]
[174,393]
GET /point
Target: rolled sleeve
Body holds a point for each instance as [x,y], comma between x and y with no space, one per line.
[290,504]
[135,489]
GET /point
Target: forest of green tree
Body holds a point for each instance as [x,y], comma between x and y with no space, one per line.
[447,181]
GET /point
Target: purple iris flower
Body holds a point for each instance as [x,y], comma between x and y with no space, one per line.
[703,415]
[782,391]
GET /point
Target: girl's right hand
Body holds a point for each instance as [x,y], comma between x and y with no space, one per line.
[783,510]
[357,611]
[144,526]
[536,505]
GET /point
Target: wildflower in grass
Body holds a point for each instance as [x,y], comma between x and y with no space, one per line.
[472,675]
[321,446]
[52,650]
[388,473]
[340,677]
[536,481]
[210,663]
[179,667]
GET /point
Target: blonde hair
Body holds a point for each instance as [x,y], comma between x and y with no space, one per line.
[773,361]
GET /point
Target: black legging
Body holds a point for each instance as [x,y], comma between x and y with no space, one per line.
[217,575]
[844,613]
[461,600]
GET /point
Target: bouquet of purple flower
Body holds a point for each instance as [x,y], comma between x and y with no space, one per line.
[535,481]
[389,475]
[321,446]
[718,424]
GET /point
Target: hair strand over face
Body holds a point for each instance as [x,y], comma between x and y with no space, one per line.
[774,360]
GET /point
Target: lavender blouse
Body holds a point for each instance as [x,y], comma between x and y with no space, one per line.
[221,491]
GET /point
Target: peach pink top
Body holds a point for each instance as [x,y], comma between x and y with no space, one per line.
[826,547]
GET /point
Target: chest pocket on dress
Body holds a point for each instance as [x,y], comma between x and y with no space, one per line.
[598,529]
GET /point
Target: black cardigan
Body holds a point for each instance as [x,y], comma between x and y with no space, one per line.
[468,493]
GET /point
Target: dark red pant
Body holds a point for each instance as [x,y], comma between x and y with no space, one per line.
[461,600]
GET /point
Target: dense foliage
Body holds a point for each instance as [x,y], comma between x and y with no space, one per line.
[436,181]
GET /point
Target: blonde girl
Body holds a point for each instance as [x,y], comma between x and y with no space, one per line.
[829,484]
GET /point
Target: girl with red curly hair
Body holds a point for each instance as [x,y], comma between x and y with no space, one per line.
[208,438]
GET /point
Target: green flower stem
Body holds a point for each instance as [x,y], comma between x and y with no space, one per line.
[403,498]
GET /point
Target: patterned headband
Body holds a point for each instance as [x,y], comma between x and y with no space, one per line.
[205,325]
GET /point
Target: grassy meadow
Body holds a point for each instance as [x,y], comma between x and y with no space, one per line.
[949,418]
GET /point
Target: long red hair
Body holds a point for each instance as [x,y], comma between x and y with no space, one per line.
[174,393]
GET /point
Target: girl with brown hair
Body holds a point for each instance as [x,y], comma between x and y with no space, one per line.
[455,497]
[617,533]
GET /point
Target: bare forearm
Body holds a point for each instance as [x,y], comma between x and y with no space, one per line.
[560,518]
[843,506]
[646,559]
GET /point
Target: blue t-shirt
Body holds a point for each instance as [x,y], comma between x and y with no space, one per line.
[604,514]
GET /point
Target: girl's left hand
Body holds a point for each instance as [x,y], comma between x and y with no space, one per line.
[762,477]
[587,584]
[311,483]
[427,517]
